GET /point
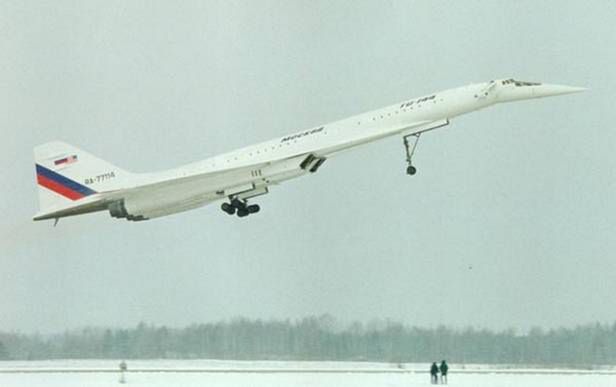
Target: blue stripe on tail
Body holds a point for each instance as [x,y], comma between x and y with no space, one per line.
[65,181]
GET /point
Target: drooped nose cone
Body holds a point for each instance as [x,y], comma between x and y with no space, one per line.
[540,91]
[525,90]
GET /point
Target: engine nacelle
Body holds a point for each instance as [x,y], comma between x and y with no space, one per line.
[118,210]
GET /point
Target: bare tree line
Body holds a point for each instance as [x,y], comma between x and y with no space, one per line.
[322,338]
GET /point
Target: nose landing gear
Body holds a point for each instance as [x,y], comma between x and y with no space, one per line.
[409,146]
[240,207]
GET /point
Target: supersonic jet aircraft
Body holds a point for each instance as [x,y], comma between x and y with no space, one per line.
[73,182]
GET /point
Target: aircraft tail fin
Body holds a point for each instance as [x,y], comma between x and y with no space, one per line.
[65,174]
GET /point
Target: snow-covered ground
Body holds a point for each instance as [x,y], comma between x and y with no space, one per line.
[304,379]
[233,373]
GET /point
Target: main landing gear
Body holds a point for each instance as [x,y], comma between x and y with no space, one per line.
[240,207]
[410,143]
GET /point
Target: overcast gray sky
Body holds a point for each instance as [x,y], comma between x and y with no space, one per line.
[508,223]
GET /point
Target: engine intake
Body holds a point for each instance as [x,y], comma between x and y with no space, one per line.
[118,210]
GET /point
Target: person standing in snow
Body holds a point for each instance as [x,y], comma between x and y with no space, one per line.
[444,368]
[434,373]
[123,369]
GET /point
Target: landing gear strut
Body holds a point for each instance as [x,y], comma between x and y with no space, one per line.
[410,143]
[240,207]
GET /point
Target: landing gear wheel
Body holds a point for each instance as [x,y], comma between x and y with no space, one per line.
[238,204]
[253,208]
[228,208]
[239,207]
[411,170]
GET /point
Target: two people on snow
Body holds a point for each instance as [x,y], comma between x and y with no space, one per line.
[435,369]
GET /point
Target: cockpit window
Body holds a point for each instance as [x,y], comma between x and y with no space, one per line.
[519,83]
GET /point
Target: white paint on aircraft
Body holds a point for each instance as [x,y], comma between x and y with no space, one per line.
[73,182]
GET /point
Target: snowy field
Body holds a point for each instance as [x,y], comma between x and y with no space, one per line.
[258,374]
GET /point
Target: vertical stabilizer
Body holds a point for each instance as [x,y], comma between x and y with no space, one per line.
[65,174]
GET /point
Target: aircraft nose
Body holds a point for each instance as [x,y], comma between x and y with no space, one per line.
[552,90]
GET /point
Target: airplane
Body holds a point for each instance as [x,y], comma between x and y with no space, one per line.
[73,182]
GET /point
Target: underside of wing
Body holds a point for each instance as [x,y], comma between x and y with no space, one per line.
[159,197]
[187,192]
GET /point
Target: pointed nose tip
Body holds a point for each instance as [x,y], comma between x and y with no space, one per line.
[552,90]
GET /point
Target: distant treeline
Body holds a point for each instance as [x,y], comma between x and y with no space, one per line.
[321,338]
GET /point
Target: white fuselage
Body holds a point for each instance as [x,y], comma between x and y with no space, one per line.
[343,134]
[249,171]
[349,132]
[278,159]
